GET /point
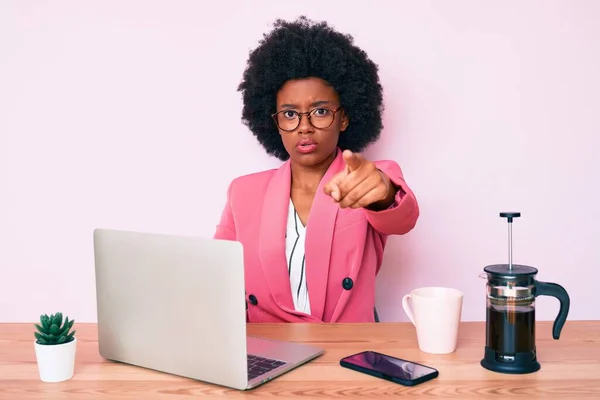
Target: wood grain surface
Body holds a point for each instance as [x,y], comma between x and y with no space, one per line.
[570,367]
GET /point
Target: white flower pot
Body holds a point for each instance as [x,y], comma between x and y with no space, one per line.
[56,363]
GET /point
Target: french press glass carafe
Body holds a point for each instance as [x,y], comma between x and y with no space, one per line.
[510,319]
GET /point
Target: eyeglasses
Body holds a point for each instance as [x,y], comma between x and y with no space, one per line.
[320,118]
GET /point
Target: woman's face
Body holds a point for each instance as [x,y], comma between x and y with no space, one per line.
[309,144]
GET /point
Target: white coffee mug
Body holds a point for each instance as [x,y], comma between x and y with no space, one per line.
[436,313]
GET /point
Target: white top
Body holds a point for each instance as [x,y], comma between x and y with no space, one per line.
[294,250]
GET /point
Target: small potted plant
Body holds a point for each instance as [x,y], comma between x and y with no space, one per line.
[55,346]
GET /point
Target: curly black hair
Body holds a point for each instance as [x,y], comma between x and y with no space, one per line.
[304,48]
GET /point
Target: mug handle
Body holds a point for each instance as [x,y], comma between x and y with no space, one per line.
[407,308]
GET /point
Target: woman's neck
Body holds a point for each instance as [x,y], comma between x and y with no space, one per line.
[307,178]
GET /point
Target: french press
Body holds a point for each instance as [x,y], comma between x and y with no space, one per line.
[510,318]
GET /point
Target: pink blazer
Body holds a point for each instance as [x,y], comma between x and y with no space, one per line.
[344,247]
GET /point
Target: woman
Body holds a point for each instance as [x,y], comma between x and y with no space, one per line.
[314,229]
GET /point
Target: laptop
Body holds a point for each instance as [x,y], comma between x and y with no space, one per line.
[176,304]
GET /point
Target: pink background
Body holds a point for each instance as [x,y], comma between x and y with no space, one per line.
[124,114]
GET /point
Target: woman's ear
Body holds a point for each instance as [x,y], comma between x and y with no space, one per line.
[345,121]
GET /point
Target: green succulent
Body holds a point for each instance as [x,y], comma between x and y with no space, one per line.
[53,330]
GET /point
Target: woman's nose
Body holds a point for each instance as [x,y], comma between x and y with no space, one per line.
[305,126]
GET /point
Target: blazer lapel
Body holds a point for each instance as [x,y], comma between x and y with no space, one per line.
[272,237]
[319,236]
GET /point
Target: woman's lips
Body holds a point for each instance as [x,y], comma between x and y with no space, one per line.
[306,146]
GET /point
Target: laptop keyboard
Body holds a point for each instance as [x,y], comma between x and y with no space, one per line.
[258,366]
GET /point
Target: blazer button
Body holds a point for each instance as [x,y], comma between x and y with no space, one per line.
[253,299]
[347,283]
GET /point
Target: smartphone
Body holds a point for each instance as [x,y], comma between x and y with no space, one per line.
[390,368]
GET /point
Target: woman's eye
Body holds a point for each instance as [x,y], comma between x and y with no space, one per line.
[289,114]
[321,112]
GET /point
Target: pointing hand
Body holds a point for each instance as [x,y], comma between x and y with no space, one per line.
[360,184]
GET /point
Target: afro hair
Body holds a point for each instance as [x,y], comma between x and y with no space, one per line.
[301,49]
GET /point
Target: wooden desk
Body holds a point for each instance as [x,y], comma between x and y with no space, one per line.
[570,367]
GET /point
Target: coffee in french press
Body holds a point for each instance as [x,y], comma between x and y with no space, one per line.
[510,318]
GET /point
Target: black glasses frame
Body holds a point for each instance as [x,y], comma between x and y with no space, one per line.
[300,114]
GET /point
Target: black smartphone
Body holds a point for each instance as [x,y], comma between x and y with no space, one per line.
[390,368]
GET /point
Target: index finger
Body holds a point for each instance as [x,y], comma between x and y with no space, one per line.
[352,160]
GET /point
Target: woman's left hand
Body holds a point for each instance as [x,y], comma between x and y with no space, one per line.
[361,184]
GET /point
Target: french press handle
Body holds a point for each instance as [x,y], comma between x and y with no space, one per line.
[555,290]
